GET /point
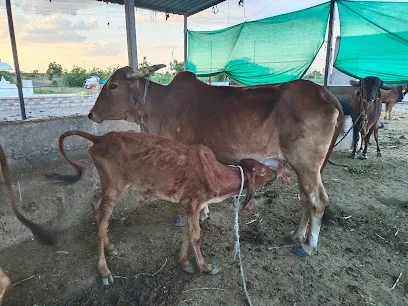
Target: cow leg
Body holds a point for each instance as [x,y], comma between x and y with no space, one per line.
[376,141]
[387,107]
[5,285]
[317,199]
[362,141]
[298,235]
[109,198]
[366,141]
[195,234]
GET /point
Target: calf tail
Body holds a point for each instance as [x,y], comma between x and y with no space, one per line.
[44,233]
[67,179]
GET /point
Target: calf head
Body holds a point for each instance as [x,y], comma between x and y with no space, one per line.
[369,88]
[119,97]
[256,175]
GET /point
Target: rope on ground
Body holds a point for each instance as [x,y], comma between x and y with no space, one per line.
[237,248]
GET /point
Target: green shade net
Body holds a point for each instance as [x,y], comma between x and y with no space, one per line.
[270,50]
[374,40]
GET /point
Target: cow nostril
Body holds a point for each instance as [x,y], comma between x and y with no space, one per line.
[90,116]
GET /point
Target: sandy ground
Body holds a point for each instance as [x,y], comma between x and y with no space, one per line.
[363,246]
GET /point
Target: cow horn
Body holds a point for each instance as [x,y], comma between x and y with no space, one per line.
[387,86]
[355,83]
[144,71]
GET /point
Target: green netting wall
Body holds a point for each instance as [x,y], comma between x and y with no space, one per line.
[374,40]
[271,50]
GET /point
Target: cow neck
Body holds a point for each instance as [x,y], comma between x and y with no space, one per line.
[154,107]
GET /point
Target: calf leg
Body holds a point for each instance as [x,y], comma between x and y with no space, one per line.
[355,141]
[108,200]
[5,285]
[376,141]
[109,247]
[194,227]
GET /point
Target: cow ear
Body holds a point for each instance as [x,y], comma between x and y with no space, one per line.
[355,83]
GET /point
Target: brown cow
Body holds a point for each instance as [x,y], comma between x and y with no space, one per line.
[44,234]
[392,97]
[366,111]
[165,169]
[297,122]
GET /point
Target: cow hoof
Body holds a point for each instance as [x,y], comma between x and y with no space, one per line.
[107,280]
[379,154]
[215,270]
[353,155]
[204,216]
[179,221]
[188,269]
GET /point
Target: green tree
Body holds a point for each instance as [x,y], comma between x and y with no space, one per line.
[176,66]
[54,69]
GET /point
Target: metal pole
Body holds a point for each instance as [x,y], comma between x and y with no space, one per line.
[185,42]
[15,57]
[131,33]
[329,43]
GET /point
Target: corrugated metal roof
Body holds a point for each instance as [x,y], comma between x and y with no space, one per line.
[180,7]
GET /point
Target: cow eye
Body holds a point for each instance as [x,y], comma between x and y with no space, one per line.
[113,86]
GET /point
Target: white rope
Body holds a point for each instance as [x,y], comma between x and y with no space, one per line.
[237,248]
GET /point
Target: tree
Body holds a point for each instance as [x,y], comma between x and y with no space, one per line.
[144,63]
[176,66]
[54,69]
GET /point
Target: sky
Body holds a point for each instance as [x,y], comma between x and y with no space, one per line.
[76,32]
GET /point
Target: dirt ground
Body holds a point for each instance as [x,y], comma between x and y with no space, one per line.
[363,246]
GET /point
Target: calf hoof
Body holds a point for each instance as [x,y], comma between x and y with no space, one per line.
[353,155]
[379,154]
[112,251]
[106,281]
[364,156]
[188,268]
[215,270]
[292,239]
[179,221]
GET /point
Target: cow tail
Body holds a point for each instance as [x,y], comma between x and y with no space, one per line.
[67,179]
[44,233]
[339,126]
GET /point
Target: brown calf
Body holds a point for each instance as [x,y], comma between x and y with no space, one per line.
[165,169]
[44,234]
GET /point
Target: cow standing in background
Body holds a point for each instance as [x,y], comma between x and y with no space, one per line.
[392,97]
[296,122]
[366,111]
[44,234]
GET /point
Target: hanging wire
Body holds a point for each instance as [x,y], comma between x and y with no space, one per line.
[215,9]
[241,3]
